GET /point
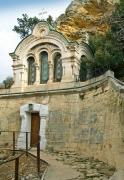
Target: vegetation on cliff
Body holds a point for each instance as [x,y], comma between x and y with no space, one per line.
[109,48]
[85,16]
[102,20]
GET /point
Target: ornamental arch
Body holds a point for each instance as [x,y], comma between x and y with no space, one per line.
[56,59]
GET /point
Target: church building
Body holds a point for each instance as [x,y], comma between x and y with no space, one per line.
[51,98]
[44,59]
[46,56]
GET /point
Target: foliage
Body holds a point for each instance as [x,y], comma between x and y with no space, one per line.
[117,24]
[8,82]
[50,20]
[83,69]
[109,48]
[26,24]
[107,55]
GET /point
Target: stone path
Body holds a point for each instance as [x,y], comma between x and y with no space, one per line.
[56,170]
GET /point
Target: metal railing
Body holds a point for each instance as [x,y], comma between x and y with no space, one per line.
[10,140]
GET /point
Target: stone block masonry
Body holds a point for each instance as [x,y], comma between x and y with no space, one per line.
[90,121]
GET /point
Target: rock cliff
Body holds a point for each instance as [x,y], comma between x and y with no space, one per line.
[85,16]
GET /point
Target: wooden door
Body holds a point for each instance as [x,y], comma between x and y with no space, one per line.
[35,127]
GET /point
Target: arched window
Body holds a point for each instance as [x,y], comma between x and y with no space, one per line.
[31,71]
[83,69]
[44,69]
[57,67]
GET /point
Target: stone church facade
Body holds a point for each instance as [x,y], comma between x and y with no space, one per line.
[46,56]
[48,98]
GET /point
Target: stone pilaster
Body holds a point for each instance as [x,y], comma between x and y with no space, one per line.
[50,72]
[37,81]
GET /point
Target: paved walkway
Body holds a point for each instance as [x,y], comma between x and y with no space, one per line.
[57,170]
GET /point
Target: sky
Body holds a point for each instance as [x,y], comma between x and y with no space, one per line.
[10,10]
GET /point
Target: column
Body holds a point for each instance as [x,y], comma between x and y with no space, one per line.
[20,81]
[50,72]
[68,70]
[37,74]
[43,122]
[43,140]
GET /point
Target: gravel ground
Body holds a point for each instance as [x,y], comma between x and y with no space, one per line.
[89,168]
[27,168]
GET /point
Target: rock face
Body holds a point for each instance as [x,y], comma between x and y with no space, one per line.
[85,16]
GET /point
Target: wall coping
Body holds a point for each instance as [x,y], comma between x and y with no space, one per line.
[65,87]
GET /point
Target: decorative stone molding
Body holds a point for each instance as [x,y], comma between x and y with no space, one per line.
[41,29]
[45,38]
[25,114]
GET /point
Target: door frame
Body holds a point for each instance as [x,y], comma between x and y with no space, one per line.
[25,117]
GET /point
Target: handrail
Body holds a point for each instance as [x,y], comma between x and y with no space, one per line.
[16,157]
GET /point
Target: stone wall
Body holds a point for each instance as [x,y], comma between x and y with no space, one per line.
[91,125]
[90,122]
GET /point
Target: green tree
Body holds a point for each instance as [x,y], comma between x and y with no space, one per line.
[107,55]
[109,48]
[8,82]
[26,24]
[50,20]
[117,24]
